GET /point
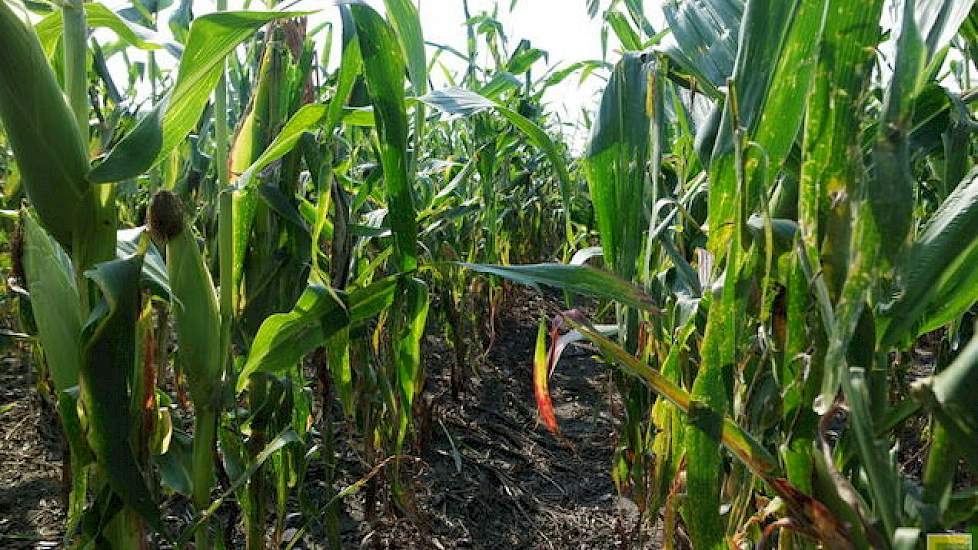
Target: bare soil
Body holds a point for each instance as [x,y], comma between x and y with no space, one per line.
[31,514]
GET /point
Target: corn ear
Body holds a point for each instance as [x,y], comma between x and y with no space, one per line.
[43,134]
[195,301]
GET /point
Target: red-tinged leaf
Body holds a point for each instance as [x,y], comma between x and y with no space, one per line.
[810,516]
[541,370]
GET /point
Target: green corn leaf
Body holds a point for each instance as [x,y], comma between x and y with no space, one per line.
[99,16]
[775,63]
[212,37]
[338,357]
[175,465]
[832,131]
[458,101]
[411,313]
[57,313]
[256,132]
[364,303]
[406,21]
[384,67]
[705,35]
[134,152]
[312,116]
[522,60]
[305,119]
[580,279]
[884,482]
[708,404]
[891,187]
[615,164]
[154,277]
[319,317]
[286,437]
[668,419]
[541,140]
[933,288]
[750,452]
[109,349]
[500,83]
[629,39]
[284,338]
[54,301]
[41,129]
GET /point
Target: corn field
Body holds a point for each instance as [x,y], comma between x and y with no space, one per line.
[250,289]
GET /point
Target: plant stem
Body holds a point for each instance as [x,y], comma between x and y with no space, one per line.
[205,433]
[225,219]
[75,50]
[203,458]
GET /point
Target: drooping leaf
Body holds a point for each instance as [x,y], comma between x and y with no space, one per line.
[457,101]
[580,279]
[99,16]
[212,37]
[154,267]
[134,152]
[284,338]
[108,353]
[705,37]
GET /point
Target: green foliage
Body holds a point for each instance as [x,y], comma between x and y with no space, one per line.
[777,198]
